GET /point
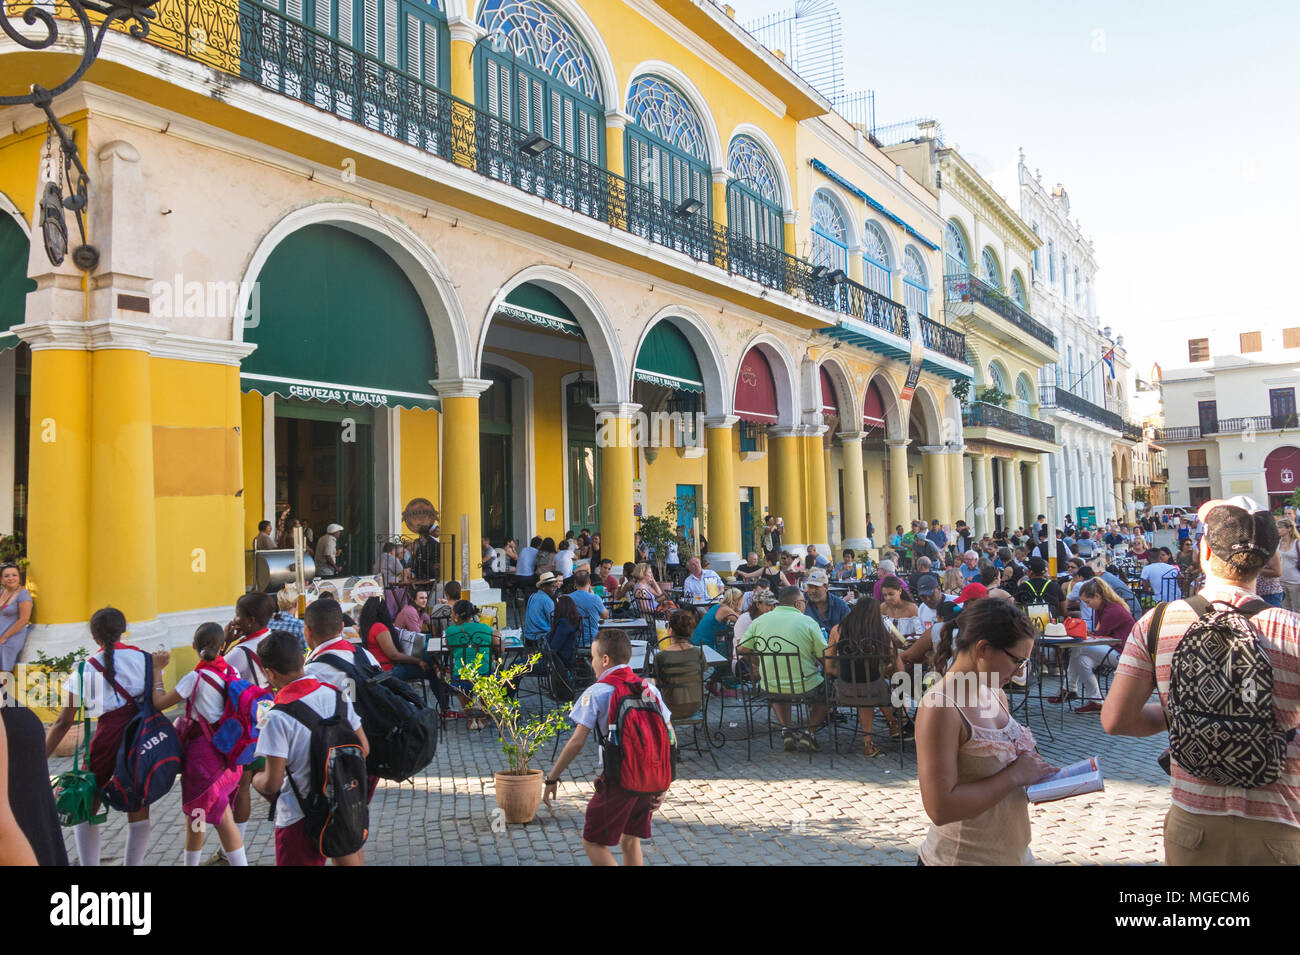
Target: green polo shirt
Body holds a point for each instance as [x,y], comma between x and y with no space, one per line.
[786,630]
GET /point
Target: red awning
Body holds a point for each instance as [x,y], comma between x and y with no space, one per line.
[1282,471]
[756,389]
[830,404]
[873,409]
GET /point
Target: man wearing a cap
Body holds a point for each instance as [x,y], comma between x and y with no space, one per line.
[923,574]
[327,552]
[1037,588]
[826,609]
[1210,824]
[540,609]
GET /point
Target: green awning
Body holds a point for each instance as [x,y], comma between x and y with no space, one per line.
[667,359]
[534,305]
[338,320]
[14,283]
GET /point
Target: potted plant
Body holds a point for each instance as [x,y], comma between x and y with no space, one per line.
[656,532]
[42,689]
[993,396]
[519,788]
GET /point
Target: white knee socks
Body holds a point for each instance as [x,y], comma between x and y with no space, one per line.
[193,858]
[237,857]
[137,841]
[87,839]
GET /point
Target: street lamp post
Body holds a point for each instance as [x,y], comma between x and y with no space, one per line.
[54,229]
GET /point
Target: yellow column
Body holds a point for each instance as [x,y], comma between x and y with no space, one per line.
[785,472]
[980,488]
[616,163]
[464,35]
[791,236]
[724,503]
[123,568]
[936,488]
[58,497]
[460,510]
[855,491]
[957,488]
[900,504]
[855,265]
[720,198]
[814,458]
[617,471]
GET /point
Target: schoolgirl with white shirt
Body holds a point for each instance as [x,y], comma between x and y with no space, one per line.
[253,612]
[208,782]
[109,682]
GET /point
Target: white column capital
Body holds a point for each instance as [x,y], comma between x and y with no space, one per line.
[720,175]
[90,336]
[897,442]
[617,409]
[784,431]
[616,119]
[853,436]
[464,30]
[727,421]
[460,387]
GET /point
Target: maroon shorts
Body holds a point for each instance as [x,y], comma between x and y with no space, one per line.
[292,847]
[614,813]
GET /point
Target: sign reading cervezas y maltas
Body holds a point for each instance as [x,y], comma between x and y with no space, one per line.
[345,395]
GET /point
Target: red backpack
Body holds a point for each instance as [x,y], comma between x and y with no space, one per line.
[235,734]
[637,752]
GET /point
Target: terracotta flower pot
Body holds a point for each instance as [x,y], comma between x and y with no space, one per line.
[519,794]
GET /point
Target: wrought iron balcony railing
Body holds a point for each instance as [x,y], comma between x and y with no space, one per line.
[1245,425]
[967,288]
[943,339]
[1133,431]
[244,38]
[980,414]
[1051,396]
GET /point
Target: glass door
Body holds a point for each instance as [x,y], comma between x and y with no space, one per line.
[582,460]
[1281,407]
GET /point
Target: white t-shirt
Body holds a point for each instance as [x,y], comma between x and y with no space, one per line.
[209,702]
[593,706]
[318,661]
[672,554]
[282,735]
[128,671]
[564,563]
[927,614]
[1290,572]
[247,668]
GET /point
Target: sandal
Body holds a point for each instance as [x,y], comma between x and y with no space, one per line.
[869,749]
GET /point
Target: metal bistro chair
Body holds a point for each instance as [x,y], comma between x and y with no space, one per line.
[779,673]
[681,682]
[729,677]
[859,681]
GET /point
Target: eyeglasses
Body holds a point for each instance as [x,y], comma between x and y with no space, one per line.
[1018,661]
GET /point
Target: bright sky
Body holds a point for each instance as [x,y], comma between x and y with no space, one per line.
[1172,125]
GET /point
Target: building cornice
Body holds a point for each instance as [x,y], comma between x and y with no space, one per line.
[1015,228]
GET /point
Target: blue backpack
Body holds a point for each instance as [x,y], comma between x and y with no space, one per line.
[235,735]
[149,758]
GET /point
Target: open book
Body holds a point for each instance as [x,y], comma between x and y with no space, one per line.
[1074,780]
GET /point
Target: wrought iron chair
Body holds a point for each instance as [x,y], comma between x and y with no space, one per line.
[681,682]
[781,679]
[864,681]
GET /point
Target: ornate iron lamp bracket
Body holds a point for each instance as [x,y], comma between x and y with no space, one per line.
[53,202]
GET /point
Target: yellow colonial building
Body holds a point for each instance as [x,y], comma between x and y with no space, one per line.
[545,265]
[988,259]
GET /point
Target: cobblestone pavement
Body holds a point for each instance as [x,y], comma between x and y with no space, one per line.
[776,808]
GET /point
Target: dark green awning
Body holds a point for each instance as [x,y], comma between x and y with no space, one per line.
[667,359]
[338,320]
[534,305]
[14,283]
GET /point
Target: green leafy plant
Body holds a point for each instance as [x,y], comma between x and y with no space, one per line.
[60,664]
[1141,494]
[13,549]
[656,532]
[493,693]
[961,389]
[993,396]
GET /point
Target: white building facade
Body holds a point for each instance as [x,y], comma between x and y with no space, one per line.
[1073,392]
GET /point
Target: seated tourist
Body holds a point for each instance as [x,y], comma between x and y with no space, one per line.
[648,596]
[699,581]
[785,629]
[1111,619]
[900,613]
[750,569]
[771,573]
[683,662]
[470,641]
[847,568]
[714,620]
[824,607]
[862,633]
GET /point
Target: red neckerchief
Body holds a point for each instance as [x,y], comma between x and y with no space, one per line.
[303,686]
[261,633]
[219,666]
[340,644]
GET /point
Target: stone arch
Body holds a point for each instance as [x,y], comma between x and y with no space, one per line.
[784,375]
[718,396]
[698,101]
[432,282]
[931,416]
[895,426]
[613,378]
[842,382]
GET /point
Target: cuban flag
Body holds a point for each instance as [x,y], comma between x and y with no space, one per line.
[1109,359]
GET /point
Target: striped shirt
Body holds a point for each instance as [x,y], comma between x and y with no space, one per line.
[1280,630]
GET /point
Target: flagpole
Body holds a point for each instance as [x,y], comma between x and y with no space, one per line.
[1083,374]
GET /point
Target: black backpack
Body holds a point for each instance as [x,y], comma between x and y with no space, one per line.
[1221,721]
[336,816]
[401,730]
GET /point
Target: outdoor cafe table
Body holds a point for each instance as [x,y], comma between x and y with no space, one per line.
[1064,644]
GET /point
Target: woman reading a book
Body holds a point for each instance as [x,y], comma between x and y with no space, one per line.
[974,760]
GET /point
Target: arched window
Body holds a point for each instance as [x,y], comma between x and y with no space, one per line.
[1018,291]
[875,260]
[916,284]
[830,237]
[754,194]
[550,85]
[667,152]
[989,266]
[997,379]
[1024,395]
[954,249]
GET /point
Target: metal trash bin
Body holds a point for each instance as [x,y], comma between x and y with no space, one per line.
[273,570]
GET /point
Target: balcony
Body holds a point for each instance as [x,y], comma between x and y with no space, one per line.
[1198,472]
[1244,426]
[967,288]
[980,414]
[1054,398]
[262,46]
[1133,431]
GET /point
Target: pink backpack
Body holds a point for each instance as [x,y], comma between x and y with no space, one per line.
[235,734]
